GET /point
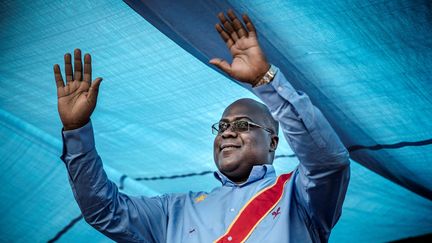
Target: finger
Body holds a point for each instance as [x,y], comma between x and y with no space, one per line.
[237,25]
[250,27]
[222,18]
[225,37]
[87,68]
[94,90]
[68,67]
[240,30]
[222,65]
[228,27]
[58,77]
[77,65]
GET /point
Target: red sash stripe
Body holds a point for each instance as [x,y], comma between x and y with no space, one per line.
[254,211]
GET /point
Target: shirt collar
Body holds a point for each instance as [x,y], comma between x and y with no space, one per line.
[258,172]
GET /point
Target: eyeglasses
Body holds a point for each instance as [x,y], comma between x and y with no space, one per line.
[236,126]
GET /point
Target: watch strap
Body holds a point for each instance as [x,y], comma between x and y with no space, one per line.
[268,76]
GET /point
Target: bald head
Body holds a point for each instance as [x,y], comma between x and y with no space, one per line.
[260,112]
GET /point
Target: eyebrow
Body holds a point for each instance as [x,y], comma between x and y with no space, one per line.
[237,118]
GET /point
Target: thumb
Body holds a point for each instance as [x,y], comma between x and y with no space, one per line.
[94,89]
[222,65]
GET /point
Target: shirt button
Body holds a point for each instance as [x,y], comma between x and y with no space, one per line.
[280,88]
[232,209]
[229,238]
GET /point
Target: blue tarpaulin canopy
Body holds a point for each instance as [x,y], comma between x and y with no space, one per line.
[366,64]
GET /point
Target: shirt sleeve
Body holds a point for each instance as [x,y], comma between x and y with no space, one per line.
[323,174]
[121,217]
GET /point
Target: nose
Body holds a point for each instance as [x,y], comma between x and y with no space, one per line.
[228,133]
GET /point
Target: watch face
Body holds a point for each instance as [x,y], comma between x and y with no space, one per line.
[272,71]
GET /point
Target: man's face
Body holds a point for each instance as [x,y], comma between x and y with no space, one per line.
[235,153]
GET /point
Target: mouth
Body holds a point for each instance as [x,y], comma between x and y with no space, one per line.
[228,146]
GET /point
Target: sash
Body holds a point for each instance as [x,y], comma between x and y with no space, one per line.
[254,211]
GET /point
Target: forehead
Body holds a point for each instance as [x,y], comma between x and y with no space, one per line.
[243,110]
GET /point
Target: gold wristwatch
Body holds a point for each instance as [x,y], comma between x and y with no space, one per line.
[268,77]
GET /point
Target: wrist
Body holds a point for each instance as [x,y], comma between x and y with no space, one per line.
[267,77]
[260,75]
[68,128]
[74,126]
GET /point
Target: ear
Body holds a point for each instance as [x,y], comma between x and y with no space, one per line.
[274,143]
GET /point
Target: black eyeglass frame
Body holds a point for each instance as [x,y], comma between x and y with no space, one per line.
[215,127]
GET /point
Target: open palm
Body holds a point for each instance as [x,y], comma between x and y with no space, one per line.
[77,99]
[249,63]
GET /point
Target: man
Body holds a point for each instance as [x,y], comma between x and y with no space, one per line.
[304,209]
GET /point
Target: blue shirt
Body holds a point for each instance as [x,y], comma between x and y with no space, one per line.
[310,206]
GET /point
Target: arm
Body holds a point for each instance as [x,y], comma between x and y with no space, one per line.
[323,174]
[120,217]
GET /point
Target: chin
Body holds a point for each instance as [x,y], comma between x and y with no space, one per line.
[227,166]
[233,170]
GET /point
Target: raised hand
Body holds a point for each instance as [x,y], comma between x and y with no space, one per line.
[249,64]
[76,99]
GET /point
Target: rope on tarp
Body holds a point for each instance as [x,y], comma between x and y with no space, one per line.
[121,187]
[123,177]
[390,146]
[66,228]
